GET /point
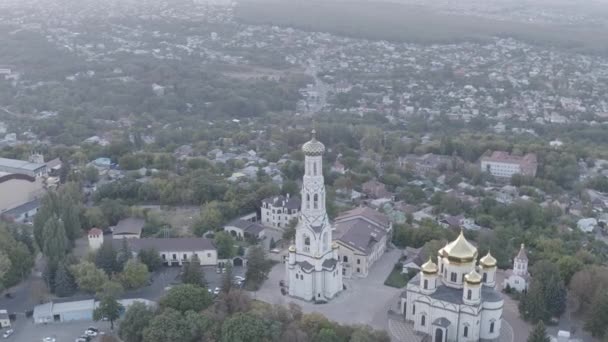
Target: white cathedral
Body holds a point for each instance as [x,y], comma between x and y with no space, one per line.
[314,272]
[455,300]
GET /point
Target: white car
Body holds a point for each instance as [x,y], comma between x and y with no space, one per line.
[8,333]
[216,291]
[90,333]
[49,339]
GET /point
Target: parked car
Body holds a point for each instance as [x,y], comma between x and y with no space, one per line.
[282,283]
[90,333]
[8,333]
[49,339]
[216,291]
[93,329]
[80,339]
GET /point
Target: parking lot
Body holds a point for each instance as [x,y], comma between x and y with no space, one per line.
[27,331]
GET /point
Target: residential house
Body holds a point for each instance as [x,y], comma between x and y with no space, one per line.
[95,237]
[503,165]
[375,189]
[129,228]
[176,251]
[362,235]
[278,211]
[240,228]
[587,225]
[426,163]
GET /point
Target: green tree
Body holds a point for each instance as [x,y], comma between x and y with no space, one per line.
[94,217]
[244,327]
[64,282]
[151,258]
[539,334]
[172,325]
[597,321]
[88,277]
[227,279]
[225,245]
[136,320]
[5,266]
[327,335]
[71,220]
[186,297]
[192,273]
[106,258]
[258,267]
[211,218]
[91,174]
[55,241]
[111,288]
[134,275]
[109,309]
[123,255]
[546,296]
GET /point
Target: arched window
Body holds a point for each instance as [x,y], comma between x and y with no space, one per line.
[306,240]
[423,320]
[485,277]
[414,309]
[325,241]
[426,284]
[307,201]
[469,294]
[316,201]
[345,259]
[314,169]
[465,331]
[491,327]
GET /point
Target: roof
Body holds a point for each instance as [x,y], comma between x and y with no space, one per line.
[459,249]
[429,267]
[488,260]
[454,295]
[281,201]
[505,157]
[20,164]
[473,277]
[330,263]
[43,310]
[129,226]
[313,147]
[367,213]
[305,265]
[170,244]
[22,209]
[55,163]
[5,177]
[522,253]
[60,307]
[359,234]
[95,232]
[247,226]
[3,314]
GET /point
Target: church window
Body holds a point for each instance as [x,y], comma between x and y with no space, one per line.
[314,168]
[358,270]
[358,261]
[466,331]
[307,201]
[469,294]
[426,284]
[306,240]
[491,327]
[414,309]
[442,268]
[345,259]
[423,320]
[453,277]
[316,201]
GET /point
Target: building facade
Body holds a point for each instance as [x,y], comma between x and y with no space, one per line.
[278,211]
[518,278]
[35,167]
[19,195]
[95,237]
[361,235]
[176,251]
[455,299]
[504,165]
[314,272]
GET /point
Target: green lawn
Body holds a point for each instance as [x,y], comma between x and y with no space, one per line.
[396,278]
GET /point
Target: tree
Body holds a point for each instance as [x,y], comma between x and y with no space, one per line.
[123,255]
[273,243]
[244,327]
[151,258]
[227,279]
[186,297]
[539,334]
[5,266]
[172,325]
[64,281]
[88,277]
[105,258]
[94,217]
[327,335]
[109,309]
[192,273]
[546,296]
[597,321]
[71,220]
[55,241]
[258,267]
[135,274]
[91,174]
[111,288]
[225,245]
[136,319]
[211,218]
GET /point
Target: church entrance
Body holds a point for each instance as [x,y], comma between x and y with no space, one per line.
[438,335]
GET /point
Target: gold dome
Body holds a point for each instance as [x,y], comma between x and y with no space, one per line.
[292,248]
[459,250]
[488,261]
[473,277]
[313,147]
[429,267]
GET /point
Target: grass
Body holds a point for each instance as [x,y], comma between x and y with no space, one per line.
[396,278]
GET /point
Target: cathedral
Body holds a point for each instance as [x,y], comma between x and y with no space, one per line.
[455,299]
[314,272]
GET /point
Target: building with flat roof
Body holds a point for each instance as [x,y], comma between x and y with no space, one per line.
[23,167]
[129,228]
[501,164]
[81,310]
[176,251]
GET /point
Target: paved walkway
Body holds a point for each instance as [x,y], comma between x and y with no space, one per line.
[365,301]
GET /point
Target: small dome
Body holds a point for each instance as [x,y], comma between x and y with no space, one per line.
[429,267]
[313,147]
[473,277]
[459,250]
[334,245]
[292,248]
[488,260]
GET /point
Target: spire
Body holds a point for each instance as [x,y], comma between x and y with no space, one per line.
[522,253]
[313,134]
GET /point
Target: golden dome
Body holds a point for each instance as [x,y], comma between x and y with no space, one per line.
[459,250]
[473,277]
[334,245]
[488,260]
[429,267]
[313,147]
[292,248]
